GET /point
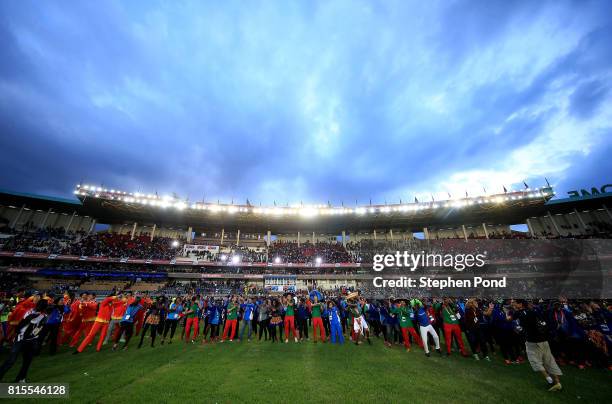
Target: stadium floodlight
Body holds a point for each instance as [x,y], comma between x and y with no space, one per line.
[360,211]
[277,260]
[180,205]
[175,243]
[223,257]
[308,212]
[318,260]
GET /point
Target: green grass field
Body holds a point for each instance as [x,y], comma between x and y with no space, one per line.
[307,372]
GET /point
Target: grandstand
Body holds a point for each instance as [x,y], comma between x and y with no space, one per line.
[160,244]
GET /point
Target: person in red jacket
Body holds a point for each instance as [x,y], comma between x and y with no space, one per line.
[100,324]
[146,303]
[19,312]
[72,321]
[119,306]
[88,310]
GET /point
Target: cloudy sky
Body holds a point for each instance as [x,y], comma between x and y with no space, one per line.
[305,100]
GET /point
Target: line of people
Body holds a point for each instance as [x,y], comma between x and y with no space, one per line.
[512,327]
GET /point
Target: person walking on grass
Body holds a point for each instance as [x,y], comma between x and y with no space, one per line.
[538,351]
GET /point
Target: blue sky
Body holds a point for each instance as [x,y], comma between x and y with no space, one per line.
[305,101]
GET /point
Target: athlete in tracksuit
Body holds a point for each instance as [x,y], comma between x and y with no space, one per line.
[335,323]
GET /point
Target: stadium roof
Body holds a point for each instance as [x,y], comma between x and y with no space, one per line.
[114,206]
[41,202]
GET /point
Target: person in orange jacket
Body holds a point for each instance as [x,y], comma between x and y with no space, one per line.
[100,325]
[88,310]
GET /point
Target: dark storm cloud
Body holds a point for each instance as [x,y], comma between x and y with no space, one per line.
[304,101]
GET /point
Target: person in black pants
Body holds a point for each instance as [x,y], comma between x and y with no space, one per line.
[26,341]
[153,320]
[302,319]
[263,319]
[172,319]
[50,331]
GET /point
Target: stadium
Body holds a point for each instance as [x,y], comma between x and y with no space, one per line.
[339,201]
[110,242]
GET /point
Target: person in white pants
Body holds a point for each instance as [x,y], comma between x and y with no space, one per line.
[428,329]
[425,327]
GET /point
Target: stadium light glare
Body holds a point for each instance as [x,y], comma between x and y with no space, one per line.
[308,212]
[319,260]
[277,260]
[175,243]
[235,259]
[223,257]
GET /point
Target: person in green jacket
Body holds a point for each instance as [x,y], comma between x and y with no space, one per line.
[231,319]
[405,315]
[450,324]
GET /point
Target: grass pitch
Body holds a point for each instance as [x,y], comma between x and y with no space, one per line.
[306,372]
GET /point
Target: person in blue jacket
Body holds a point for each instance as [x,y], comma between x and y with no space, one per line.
[247,317]
[213,314]
[335,323]
[51,328]
[503,332]
[386,323]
